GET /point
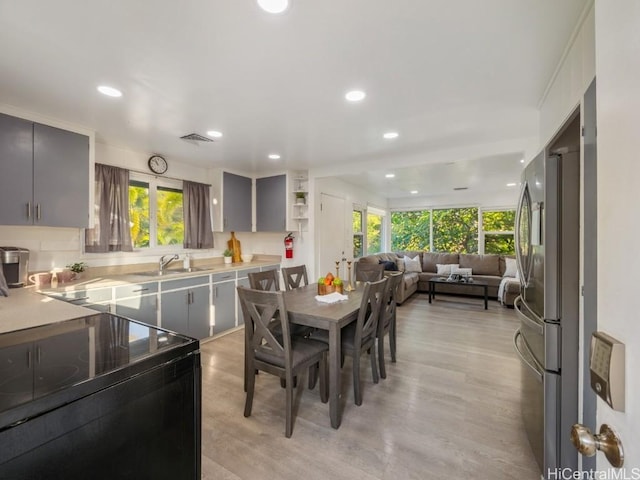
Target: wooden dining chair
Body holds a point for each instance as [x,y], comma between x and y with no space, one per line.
[295,277]
[266,280]
[369,272]
[359,337]
[387,320]
[281,355]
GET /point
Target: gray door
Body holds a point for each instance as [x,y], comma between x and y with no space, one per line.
[199,312]
[271,203]
[590,292]
[61,177]
[224,301]
[16,167]
[142,308]
[175,311]
[236,203]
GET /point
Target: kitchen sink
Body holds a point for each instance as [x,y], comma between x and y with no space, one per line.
[172,271]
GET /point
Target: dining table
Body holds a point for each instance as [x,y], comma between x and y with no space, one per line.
[304,309]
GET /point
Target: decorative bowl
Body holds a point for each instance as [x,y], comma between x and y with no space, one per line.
[246,257]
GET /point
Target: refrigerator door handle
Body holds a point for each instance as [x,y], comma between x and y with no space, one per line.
[520,261]
[527,316]
[533,365]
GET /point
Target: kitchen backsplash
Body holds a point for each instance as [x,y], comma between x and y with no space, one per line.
[56,247]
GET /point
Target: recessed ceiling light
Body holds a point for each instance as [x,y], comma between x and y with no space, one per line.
[109,91]
[390,175]
[511,184]
[273,6]
[390,135]
[355,95]
[214,133]
[274,156]
[522,160]
[413,192]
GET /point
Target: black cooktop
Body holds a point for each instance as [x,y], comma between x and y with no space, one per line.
[78,357]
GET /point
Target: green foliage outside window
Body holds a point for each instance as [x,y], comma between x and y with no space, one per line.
[410,230]
[501,224]
[169,214]
[374,233]
[455,230]
[170,225]
[139,213]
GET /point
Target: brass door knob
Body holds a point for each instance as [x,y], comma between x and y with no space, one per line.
[606,441]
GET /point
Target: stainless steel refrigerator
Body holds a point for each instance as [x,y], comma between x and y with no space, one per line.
[547,253]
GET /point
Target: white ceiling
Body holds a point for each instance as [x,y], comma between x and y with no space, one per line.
[460,80]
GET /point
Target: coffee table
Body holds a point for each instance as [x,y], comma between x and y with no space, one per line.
[470,284]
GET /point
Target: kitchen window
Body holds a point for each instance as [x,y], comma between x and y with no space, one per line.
[375,230]
[358,235]
[498,231]
[156,212]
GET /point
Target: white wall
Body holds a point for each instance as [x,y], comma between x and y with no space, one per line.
[618,103]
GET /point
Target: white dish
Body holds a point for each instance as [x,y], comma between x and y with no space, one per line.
[246,257]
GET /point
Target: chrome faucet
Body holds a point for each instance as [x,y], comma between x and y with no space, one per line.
[163,263]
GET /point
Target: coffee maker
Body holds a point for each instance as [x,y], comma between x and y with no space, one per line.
[15,265]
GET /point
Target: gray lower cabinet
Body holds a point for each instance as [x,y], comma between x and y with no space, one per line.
[243,281]
[138,302]
[186,310]
[224,301]
[45,175]
[99,299]
[271,203]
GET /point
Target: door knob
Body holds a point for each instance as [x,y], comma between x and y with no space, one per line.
[606,441]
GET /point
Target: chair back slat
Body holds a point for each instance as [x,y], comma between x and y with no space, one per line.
[295,277]
[266,281]
[372,299]
[369,272]
[389,305]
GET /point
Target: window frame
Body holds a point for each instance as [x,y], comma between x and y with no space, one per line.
[360,233]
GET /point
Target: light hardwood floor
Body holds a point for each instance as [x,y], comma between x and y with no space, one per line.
[449,407]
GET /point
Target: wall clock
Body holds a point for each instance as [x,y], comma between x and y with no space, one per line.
[158,164]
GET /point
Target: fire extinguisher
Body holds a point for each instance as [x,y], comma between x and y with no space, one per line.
[288,246]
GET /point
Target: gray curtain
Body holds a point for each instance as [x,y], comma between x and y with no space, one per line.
[197,215]
[112,232]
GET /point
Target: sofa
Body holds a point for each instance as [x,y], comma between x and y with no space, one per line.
[497,270]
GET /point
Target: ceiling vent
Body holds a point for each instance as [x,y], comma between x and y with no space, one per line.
[196,138]
[461,188]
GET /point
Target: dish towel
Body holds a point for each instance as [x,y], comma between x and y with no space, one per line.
[334,297]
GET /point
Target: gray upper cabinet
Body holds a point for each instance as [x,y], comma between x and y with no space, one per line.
[45,175]
[236,203]
[271,203]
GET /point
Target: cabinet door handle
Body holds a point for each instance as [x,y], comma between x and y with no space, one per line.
[38,354]
[29,358]
[38,211]
[29,210]
[139,290]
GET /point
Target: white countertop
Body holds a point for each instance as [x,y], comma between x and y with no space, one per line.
[25,308]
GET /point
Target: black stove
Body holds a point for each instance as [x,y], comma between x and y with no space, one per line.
[139,383]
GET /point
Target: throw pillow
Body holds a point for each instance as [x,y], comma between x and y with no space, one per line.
[465,272]
[412,265]
[389,265]
[400,263]
[511,269]
[445,269]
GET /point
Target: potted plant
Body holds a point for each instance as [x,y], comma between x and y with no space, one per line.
[301,197]
[77,268]
[227,254]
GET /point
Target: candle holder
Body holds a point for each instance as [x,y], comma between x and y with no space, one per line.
[338,268]
[349,288]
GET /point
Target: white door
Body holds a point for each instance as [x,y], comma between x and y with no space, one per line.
[332,236]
